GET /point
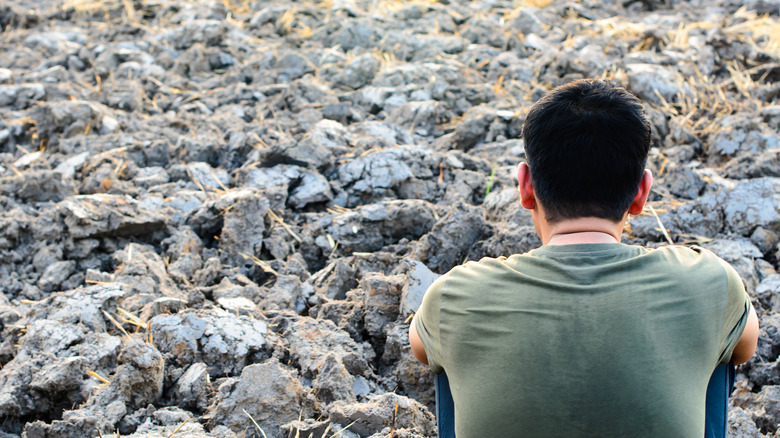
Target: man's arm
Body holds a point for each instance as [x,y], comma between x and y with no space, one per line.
[746,346]
[417,346]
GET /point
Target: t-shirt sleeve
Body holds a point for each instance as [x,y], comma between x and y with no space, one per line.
[426,321]
[736,315]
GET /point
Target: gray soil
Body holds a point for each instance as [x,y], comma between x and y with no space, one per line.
[218,216]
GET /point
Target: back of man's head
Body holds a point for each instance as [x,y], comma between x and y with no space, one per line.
[586,144]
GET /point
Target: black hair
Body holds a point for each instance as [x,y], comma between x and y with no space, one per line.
[586,144]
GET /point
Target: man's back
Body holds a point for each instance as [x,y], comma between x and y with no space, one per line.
[573,340]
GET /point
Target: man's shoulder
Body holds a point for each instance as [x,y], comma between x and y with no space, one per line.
[689,265]
[687,255]
[473,271]
[485,265]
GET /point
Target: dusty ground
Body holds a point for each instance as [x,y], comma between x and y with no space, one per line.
[222,213]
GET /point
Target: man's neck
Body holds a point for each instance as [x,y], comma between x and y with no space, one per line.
[582,230]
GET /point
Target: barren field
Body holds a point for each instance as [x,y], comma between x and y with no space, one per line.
[217,217]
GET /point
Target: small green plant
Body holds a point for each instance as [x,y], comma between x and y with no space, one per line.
[490,179]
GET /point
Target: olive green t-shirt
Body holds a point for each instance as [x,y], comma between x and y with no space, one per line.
[596,340]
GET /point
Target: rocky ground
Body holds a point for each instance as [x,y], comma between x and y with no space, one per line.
[218,216]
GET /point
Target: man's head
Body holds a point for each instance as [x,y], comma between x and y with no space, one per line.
[586,144]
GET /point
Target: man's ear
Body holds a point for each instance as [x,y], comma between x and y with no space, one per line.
[638,204]
[527,195]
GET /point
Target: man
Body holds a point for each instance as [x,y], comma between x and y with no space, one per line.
[586,336]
